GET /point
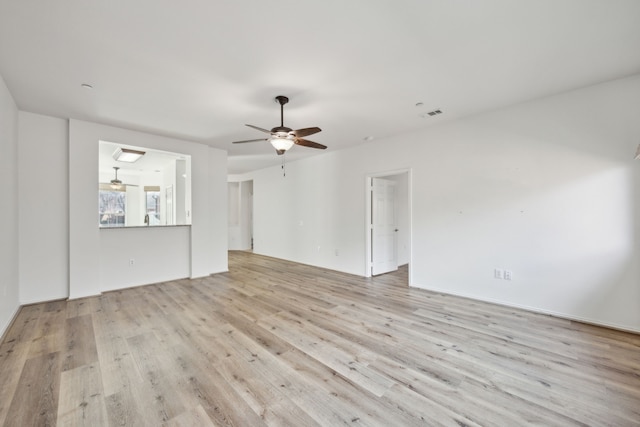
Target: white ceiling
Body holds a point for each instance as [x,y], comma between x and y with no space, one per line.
[201,69]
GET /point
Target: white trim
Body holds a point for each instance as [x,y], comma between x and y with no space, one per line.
[6,327]
[532,309]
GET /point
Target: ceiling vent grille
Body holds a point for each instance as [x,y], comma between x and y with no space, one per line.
[431,113]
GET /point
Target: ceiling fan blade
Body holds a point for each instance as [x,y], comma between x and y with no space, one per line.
[122,184]
[249,140]
[307,143]
[260,129]
[305,132]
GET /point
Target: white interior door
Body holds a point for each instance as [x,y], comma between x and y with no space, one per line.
[384,251]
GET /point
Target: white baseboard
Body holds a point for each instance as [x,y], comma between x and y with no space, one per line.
[566,316]
[6,327]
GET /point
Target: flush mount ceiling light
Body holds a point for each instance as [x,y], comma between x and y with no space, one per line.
[127,155]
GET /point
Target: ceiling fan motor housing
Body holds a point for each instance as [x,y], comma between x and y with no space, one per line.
[281,129]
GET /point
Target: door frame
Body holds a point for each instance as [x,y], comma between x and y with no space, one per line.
[367,223]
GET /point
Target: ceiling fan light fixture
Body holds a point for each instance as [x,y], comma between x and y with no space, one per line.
[282,143]
[116,184]
[127,155]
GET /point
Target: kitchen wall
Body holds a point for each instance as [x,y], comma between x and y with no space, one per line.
[99,261]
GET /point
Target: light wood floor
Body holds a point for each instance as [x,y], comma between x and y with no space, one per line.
[278,343]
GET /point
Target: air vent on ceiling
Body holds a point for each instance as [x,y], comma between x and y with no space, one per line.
[431,113]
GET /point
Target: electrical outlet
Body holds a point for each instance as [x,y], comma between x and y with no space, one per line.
[498,273]
[508,275]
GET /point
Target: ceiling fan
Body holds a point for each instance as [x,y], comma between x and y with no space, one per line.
[117,184]
[282,138]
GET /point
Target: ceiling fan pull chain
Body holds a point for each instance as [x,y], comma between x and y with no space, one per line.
[284,170]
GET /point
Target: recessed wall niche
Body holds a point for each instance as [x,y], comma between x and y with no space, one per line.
[142,187]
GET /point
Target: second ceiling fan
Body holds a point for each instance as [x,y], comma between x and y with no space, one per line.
[282,138]
[117,184]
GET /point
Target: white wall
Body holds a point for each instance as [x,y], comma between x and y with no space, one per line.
[314,212]
[159,254]
[246,214]
[9,246]
[43,207]
[233,214]
[207,239]
[214,207]
[548,189]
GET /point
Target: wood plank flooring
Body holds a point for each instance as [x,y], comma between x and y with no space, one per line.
[276,343]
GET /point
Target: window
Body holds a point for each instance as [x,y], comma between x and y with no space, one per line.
[152,202]
[111,207]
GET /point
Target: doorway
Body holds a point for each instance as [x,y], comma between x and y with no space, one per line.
[388,234]
[240,215]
